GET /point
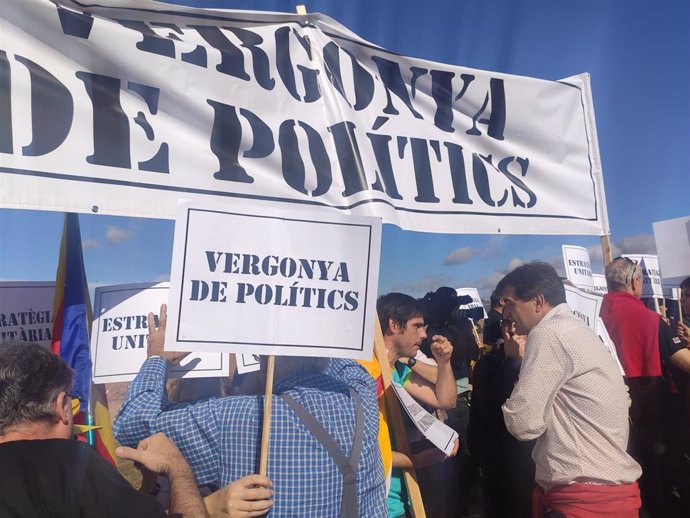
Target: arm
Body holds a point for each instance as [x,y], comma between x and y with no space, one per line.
[683,332]
[246,497]
[423,459]
[146,410]
[542,373]
[427,371]
[681,359]
[158,454]
[673,347]
[443,393]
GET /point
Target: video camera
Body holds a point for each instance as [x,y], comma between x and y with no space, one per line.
[441,306]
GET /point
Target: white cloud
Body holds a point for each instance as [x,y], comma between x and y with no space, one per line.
[460,256]
[90,243]
[465,253]
[514,263]
[486,284]
[640,244]
[116,235]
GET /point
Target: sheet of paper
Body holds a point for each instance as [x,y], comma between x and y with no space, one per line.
[439,434]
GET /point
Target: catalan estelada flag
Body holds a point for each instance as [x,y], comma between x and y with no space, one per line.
[71,327]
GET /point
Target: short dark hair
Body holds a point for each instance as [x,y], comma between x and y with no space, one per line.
[685,283]
[397,307]
[495,300]
[31,377]
[532,279]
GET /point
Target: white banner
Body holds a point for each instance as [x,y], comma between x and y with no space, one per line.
[578,268]
[476,299]
[651,275]
[123,107]
[26,311]
[279,283]
[586,306]
[673,246]
[120,330]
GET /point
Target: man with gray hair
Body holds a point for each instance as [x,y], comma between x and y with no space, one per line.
[645,345]
[45,473]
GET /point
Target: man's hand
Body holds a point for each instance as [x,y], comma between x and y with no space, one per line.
[441,348]
[156,341]
[249,496]
[456,447]
[514,347]
[507,329]
[683,332]
[432,456]
[157,454]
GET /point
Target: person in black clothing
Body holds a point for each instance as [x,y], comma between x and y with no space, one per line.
[43,473]
[443,318]
[505,464]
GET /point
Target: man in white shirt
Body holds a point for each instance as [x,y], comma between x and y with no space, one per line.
[571,398]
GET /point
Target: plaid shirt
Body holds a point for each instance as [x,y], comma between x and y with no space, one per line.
[221,437]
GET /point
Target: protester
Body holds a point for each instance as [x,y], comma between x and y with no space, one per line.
[221,437]
[646,346]
[402,322]
[492,325]
[571,398]
[43,473]
[506,465]
[456,477]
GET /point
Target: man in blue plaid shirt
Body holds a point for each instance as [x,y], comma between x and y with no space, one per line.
[221,437]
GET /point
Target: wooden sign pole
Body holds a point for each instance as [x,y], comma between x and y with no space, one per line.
[606,252]
[268,394]
[268,400]
[395,422]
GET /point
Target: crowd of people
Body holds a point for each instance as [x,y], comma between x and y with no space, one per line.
[546,424]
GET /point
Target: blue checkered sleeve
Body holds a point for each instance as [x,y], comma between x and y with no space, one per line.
[193,428]
[220,437]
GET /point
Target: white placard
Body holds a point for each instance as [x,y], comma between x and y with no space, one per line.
[587,306]
[281,283]
[248,363]
[120,330]
[439,434]
[476,299]
[26,311]
[651,275]
[600,287]
[672,238]
[603,335]
[578,268]
[152,102]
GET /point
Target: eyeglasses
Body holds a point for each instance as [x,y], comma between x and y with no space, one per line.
[629,262]
[76,404]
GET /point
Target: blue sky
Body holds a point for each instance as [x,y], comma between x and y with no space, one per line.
[636,53]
